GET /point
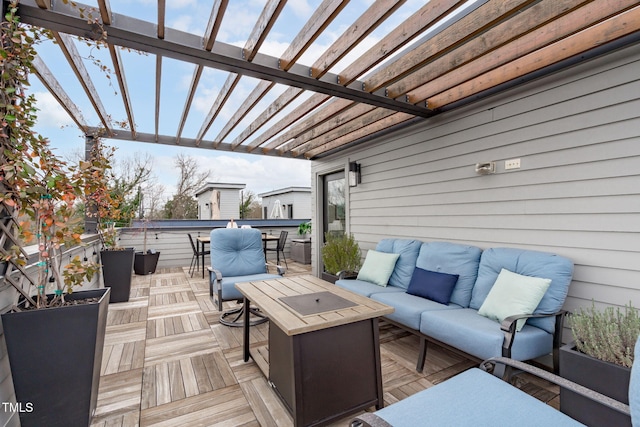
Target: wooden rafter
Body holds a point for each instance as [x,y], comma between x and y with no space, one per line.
[321,18]
[161,18]
[247,105]
[525,22]
[55,89]
[454,35]
[158,88]
[105,11]
[427,16]
[310,104]
[267,18]
[213,25]
[336,121]
[124,89]
[553,31]
[74,59]
[320,115]
[613,28]
[363,26]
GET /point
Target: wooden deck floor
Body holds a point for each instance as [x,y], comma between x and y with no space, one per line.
[168,362]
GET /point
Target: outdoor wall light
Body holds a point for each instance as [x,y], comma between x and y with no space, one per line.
[485,168]
[354,174]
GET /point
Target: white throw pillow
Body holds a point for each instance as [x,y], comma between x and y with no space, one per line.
[513,294]
[377,267]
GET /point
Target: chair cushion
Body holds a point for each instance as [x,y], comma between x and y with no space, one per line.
[365,288]
[237,251]
[526,263]
[481,337]
[377,267]
[408,251]
[452,258]
[408,308]
[513,294]
[473,398]
[432,285]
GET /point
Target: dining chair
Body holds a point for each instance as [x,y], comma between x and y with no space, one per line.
[279,249]
[197,254]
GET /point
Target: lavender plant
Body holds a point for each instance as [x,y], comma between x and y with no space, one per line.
[608,335]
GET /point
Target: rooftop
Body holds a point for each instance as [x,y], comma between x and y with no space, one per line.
[167,361]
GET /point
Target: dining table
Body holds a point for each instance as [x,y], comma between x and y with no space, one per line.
[202,241]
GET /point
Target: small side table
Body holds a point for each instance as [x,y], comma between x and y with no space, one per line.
[301,250]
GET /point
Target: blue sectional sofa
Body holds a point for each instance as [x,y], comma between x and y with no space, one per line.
[459,314]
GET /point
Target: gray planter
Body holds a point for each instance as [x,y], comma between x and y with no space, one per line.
[607,378]
[117,268]
[55,356]
[145,263]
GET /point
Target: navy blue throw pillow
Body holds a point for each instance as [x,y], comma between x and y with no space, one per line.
[432,285]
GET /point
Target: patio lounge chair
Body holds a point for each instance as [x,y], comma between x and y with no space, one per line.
[236,256]
[477,398]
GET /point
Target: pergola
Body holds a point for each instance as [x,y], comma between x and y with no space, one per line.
[447,54]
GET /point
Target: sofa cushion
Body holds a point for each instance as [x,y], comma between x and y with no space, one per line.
[513,294]
[408,251]
[432,285]
[377,267]
[481,337]
[473,397]
[527,263]
[452,258]
[408,308]
[365,288]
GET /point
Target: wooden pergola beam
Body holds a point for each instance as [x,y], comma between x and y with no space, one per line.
[55,89]
[124,89]
[525,22]
[427,16]
[68,48]
[551,32]
[213,25]
[247,105]
[451,37]
[607,31]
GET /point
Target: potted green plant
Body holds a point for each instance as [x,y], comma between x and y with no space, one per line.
[340,254]
[146,260]
[304,229]
[600,358]
[54,334]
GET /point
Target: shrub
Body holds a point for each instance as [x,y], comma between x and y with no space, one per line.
[340,253]
[608,335]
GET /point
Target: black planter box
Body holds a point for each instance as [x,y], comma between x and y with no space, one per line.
[607,378]
[55,356]
[145,263]
[117,267]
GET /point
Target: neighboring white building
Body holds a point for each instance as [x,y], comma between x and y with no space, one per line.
[294,201]
[219,200]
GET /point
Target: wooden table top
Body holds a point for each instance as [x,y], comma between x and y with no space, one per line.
[265,294]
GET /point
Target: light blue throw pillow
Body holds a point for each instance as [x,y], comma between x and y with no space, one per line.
[513,294]
[377,267]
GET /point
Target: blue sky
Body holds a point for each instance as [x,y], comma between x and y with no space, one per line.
[259,173]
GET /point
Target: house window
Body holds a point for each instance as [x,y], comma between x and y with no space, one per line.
[290,211]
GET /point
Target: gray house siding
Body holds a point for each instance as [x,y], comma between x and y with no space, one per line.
[577,192]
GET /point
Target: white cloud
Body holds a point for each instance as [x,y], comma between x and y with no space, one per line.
[50,113]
